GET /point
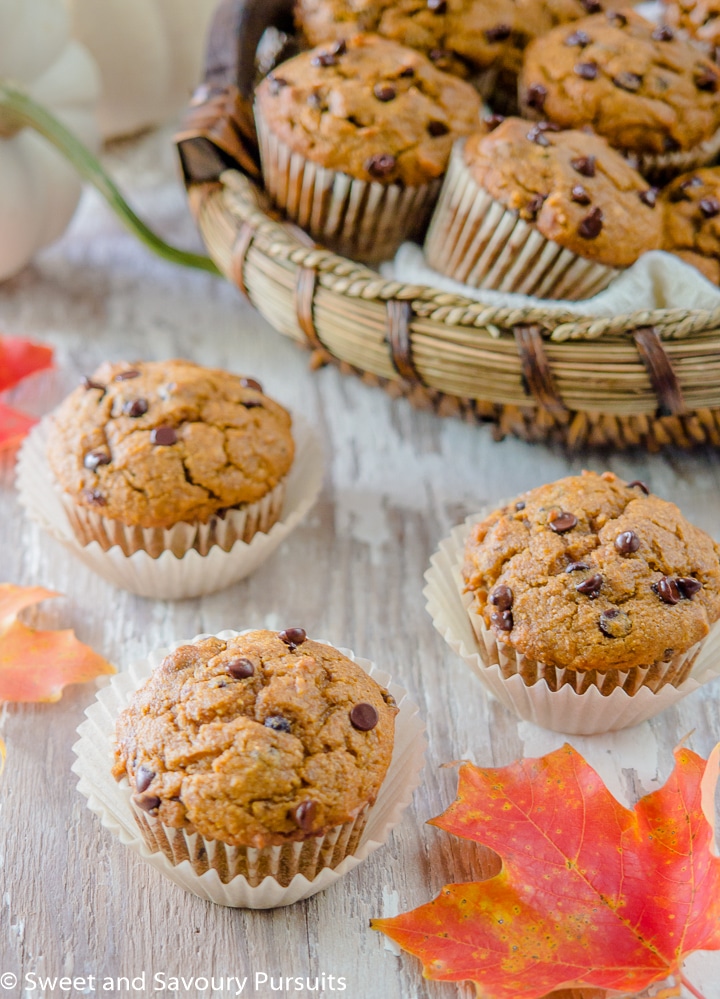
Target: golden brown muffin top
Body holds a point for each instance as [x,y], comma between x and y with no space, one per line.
[692,220]
[370,108]
[576,189]
[257,740]
[591,573]
[635,83]
[160,442]
[699,18]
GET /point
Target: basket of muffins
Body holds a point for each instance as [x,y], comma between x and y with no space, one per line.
[505,210]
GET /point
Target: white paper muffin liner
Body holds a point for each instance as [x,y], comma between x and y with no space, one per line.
[476,240]
[197,858]
[363,220]
[662,167]
[586,710]
[168,576]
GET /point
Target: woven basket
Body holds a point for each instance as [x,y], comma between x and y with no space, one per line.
[645,379]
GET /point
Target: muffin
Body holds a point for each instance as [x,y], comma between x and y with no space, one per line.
[530,209]
[691,206]
[354,139]
[651,95]
[589,581]
[699,19]
[168,455]
[270,747]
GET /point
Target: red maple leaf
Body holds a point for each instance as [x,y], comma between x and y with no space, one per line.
[18,359]
[591,894]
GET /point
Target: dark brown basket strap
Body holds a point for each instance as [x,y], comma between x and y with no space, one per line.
[305,303]
[660,371]
[537,374]
[399,316]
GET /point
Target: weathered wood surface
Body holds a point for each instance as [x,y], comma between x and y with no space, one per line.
[74,901]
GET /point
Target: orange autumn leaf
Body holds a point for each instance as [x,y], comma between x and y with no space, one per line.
[18,359]
[36,665]
[591,894]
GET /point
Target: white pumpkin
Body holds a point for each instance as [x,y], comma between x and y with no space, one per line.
[150,54]
[39,191]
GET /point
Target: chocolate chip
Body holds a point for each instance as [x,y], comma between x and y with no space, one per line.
[277,723]
[663,33]
[615,623]
[637,484]
[384,92]
[143,779]
[706,78]
[251,383]
[292,637]
[95,458]
[667,589]
[580,38]
[164,435]
[276,84]
[314,100]
[148,802]
[537,135]
[439,55]
[536,96]
[627,542]
[363,717]
[340,47]
[324,60]
[500,33]
[520,505]
[577,566]
[535,204]
[88,383]
[580,195]
[252,404]
[503,620]
[679,192]
[710,207]
[240,669]
[123,376]
[407,71]
[584,165]
[628,81]
[438,128]
[688,586]
[305,815]
[586,70]
[502,597]
[616,18]
[493,120]
[649,197]
[591,225]
[381,165]
[563,522]
[93,497]
[670,145]
[592,6]
[591,586]
[136,407]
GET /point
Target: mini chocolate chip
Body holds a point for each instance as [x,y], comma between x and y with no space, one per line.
[591,225]
[305,815]
[493,120]
[688,586]
[384,92]
[277,723]
[627,542]
[535,204]
[616,18]
[670,145]
[164,435]
[439,55]
[503,620]
[251,383]
[502,597]
[276,84]
[667,589]
[615,623]
[381,165]
[240,669]
[706,79]
[148,802]
[363,717]
[123,376]
[94,458]
[500,33]
[649,197]
[94,497]
[584,165]
[580,195]
[136,407]
[520,505]
[577,566]
[438,128]
[88,383]
[586,70]
[292,637]
[407,71]
[536,96]
[252,404]
[324,60]
[628,81]
[563,522]
[679,192]
[592,6]
[663,33]
[710,207]
[538,135]
[143,779]
[591,586]
[580,38]
[637,484]
[340,47]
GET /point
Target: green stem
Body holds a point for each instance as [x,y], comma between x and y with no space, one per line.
[18,110]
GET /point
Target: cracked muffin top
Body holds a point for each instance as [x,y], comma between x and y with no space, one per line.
[635,83]
[577,191]
[159,442]
[692,220]
[369,108]
[256,740]
[591,573]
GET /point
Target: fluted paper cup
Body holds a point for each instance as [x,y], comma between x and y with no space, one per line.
[662,167]
[176,573]
[577,704]
[235,876]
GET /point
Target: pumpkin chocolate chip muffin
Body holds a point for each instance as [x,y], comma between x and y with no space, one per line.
[650,94]
[691,206]
[168,454]
[259,741]
[593,581]
[354,138]
[528,208]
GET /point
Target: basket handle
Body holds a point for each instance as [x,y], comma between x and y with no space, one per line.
[218,130]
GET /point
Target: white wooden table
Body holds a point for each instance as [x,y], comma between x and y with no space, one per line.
[74,901]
